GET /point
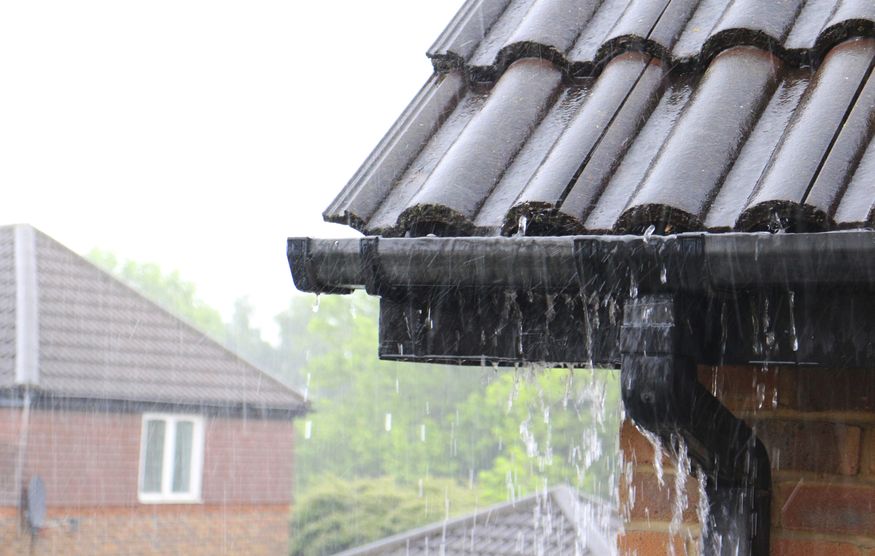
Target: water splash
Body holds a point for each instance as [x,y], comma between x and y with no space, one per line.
[761,395]
[658,454]
[703,508]
[522,224]
[648,233]
[681,500]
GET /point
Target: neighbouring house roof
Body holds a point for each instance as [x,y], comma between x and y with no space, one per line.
[558,521]
[603,117]
[71,332]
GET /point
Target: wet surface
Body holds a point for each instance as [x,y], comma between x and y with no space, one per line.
[713,136]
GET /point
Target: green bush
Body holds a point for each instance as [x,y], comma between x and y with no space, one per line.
[338,514]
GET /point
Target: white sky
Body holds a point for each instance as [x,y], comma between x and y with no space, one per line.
[200,134]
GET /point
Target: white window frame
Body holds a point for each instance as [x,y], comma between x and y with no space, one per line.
[167,495]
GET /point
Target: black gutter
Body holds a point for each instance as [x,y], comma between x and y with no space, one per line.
[654,306]
[693,262]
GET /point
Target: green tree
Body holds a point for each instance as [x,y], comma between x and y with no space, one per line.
[551,426]
[340,514]
[167,289]
[372,417]
[245,339]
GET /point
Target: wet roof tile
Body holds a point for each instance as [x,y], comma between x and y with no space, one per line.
[558,521]
[100,340]
[611,116]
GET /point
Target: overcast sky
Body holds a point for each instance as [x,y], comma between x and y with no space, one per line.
[200,134]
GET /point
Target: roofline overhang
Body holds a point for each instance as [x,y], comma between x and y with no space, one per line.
[693,262]
[18,397]
[753,298]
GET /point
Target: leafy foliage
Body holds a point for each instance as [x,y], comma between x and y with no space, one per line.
[338,514]
[168,290]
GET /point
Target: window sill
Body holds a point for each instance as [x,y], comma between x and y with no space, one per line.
[158,499]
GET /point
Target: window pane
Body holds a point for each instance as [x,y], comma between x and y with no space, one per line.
[182,457]
[154,456]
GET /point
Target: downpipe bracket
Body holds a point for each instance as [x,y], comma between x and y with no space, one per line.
[663,396]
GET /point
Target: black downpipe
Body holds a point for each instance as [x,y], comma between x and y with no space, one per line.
[663,396]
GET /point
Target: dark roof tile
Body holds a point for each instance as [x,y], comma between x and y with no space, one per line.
[809,142]
[476,161]
[751,113]
[704,142]
[578,166]
[857,207]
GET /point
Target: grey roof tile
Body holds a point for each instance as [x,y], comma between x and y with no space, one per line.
[611,116]
[101,340]
[555,522]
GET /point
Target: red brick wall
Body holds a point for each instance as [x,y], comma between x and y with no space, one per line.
[155,529]
[89,462]
[248,461]
[820,435]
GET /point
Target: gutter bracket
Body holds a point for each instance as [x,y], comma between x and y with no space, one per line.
[374,277]
[663,396]
[303,274]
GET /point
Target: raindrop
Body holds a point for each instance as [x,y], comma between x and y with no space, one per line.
[761,395]
[316,304]
[422,433]
[682,473]
[793,337]
[521,225]
[648,233]
[775,398]
[397,386]
[308,429]
[703,507]
[633,284]
[663,274]
[657,455]
[777,225]
[388,422]
[421,488]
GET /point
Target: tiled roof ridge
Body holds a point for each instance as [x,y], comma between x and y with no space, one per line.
[465,44]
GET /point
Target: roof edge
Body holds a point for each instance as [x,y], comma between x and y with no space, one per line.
[27,339]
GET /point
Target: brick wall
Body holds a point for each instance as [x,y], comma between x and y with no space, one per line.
[89,463]
[819,428]
[156,529]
